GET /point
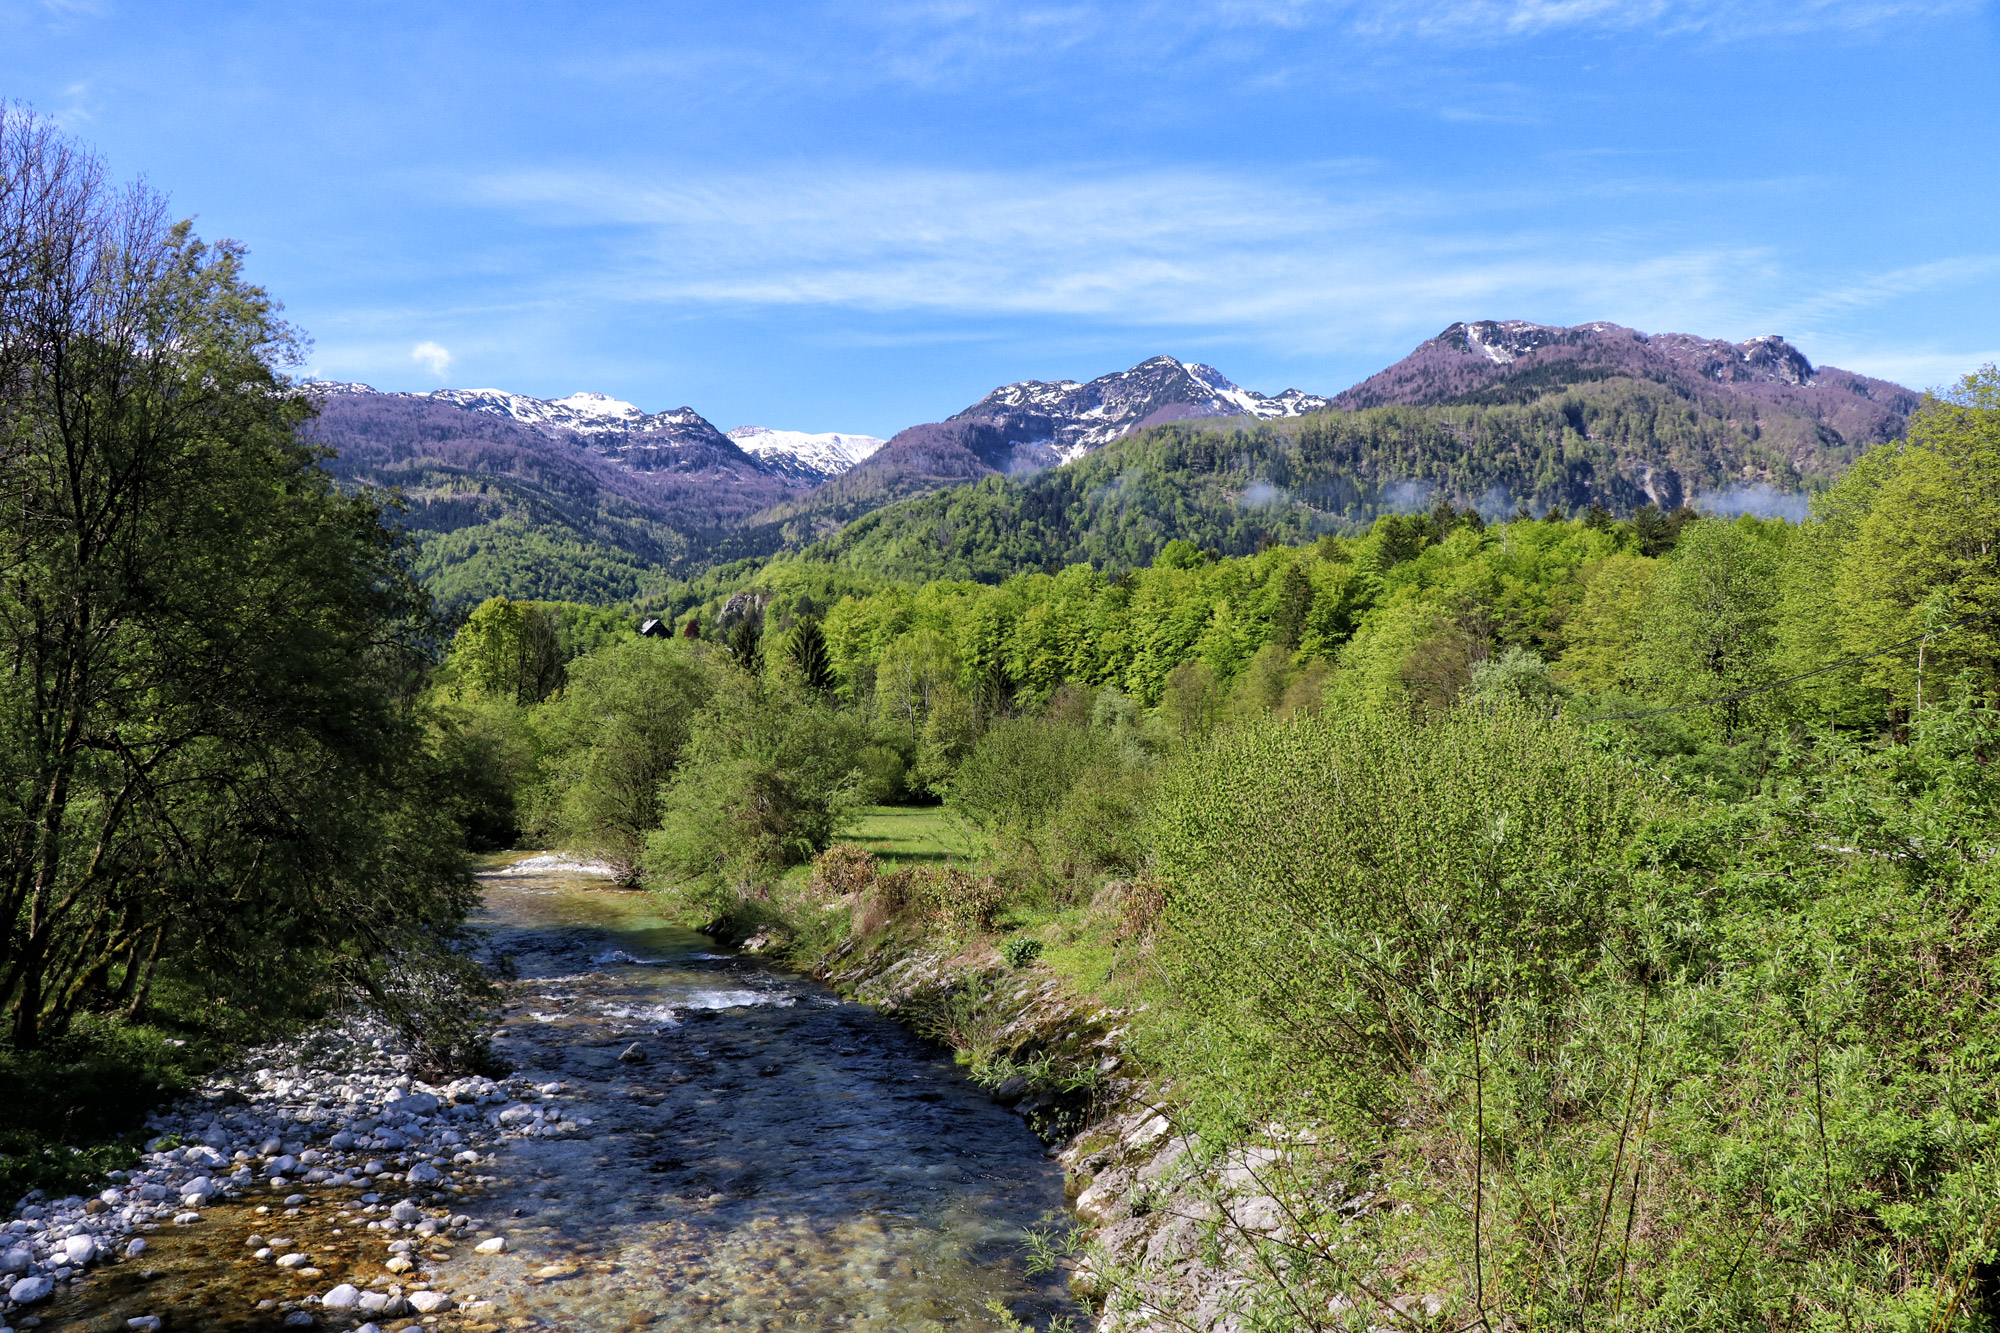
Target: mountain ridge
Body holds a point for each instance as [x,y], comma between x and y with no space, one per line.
[1608,416]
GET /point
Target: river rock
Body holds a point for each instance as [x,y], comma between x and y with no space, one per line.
[632,1055]
[31,1289]
[299,1319]
[79,1250]
[497,1245]
[135,1247]
[406,1211]
[285,1165]
[429,1302]
[291,1261]
[343,1297]
[416,1103]
[423,1173]
[15,1262]
[145,1323]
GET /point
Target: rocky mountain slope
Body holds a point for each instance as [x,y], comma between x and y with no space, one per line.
[1765,380]
[1064,420]
[1017,430]
[810,457]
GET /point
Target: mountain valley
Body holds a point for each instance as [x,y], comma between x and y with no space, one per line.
[589,497]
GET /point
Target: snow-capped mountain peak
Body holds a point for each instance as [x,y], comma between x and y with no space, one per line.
[599,405]
[827,454]
[1073,418]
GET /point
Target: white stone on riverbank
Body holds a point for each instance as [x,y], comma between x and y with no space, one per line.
[338,1108]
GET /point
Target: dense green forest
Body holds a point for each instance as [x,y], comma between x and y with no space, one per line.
[225,807]
[1235,491]
[1615,894]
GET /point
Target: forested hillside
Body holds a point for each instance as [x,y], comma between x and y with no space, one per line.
[1622,445]
[496,506]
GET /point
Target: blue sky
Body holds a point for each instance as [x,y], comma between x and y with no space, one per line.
[860,217]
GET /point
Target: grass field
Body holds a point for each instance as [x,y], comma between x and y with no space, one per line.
[909,835]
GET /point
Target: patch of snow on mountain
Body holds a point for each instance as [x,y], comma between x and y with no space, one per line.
[1080,417]
[585,413]
[599,405]
[828,453]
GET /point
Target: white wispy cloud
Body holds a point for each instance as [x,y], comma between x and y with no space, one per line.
[433,357]
[1878,289]
[1504,19]
[947,28]
[1325,262]
[1917,367]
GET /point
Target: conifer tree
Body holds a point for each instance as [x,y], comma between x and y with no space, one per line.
[807,650]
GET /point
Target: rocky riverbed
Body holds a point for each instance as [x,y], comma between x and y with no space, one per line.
[692,1140]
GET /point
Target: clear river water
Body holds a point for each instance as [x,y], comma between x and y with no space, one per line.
[782,1158]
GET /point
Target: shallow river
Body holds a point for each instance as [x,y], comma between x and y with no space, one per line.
[781,1159]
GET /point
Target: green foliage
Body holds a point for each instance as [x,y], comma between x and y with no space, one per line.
[72,1105]
[1623,1058]
[1019,773]
[1710,631]
[517,557]
[224,811]
[613,738]
[1925,532]
[1020,950]
[1340,888]
[769,779]
[1518,675]
[508,650]
[805,649]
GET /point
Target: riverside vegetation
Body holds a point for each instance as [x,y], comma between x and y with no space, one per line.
[226,805]
[1607,903]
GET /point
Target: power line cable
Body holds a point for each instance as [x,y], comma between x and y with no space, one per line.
[1789,680]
